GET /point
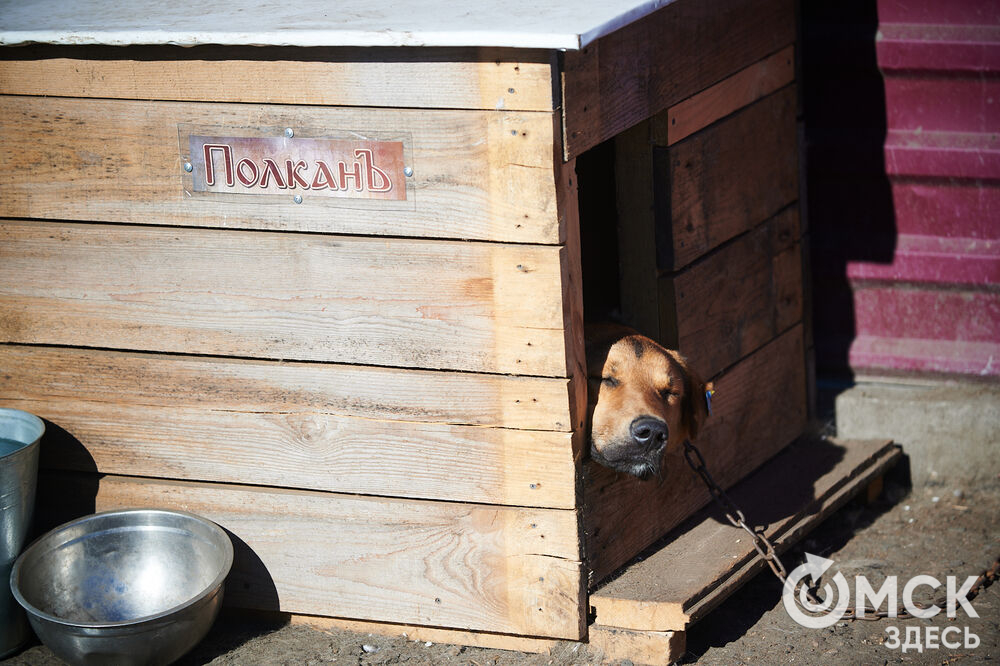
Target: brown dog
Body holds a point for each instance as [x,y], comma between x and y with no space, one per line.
[643,399]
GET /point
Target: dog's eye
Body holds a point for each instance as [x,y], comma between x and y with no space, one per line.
[666,393]
[610,382]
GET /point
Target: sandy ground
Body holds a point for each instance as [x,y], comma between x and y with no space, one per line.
[939,531]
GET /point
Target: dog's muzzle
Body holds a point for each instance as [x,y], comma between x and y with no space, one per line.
[640,455]
[648,433]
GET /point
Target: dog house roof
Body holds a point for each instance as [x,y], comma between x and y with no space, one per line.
[552,24]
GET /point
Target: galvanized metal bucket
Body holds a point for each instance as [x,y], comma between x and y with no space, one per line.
[20,433]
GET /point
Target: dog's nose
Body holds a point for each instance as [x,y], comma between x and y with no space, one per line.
[649,432]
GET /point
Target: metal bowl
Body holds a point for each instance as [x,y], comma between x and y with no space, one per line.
[20,434]
[124,587]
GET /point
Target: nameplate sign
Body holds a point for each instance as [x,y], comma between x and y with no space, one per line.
[342,168]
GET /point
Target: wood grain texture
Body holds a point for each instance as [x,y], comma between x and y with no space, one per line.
[52,374]
[489,79]
[638,647]
[739,297]
[470,306]
[706,559]
[311,451]
[467,566]
[476,174]
[729,177]
[759,407]
[571,278]
[854,482]
[742,88]
[683,48]
[433,634]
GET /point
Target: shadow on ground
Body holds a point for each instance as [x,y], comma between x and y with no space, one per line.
[734,618]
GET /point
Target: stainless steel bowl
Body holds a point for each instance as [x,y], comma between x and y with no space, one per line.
[139,586]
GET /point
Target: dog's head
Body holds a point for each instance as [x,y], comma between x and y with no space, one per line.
[643,399]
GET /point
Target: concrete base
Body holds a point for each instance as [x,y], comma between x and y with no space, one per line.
[951,432]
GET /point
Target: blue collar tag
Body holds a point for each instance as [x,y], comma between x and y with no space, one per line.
[708,400]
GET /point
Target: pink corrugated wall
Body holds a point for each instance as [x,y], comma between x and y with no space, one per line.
[922,266]
[935,307]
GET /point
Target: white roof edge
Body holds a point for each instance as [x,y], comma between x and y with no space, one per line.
[556,24]
[302,38]
[622,20]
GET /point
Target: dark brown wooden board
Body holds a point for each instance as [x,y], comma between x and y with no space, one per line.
[737,298]
[707,231]
[745,87]
[728,178]
[643,68]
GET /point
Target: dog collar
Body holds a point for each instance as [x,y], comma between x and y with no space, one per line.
[708,400]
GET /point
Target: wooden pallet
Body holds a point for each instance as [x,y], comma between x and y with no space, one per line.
[642,613]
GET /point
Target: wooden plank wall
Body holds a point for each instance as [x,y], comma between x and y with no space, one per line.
[384,401]
[125,154]
[454,78]
[436,563]
[479,307]
[711,264]
[380,400]
[642,69]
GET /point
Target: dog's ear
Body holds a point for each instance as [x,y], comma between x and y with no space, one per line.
[697,403]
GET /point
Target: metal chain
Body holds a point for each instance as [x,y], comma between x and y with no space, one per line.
[765,548]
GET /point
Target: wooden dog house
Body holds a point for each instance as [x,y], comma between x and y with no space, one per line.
[318,276]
